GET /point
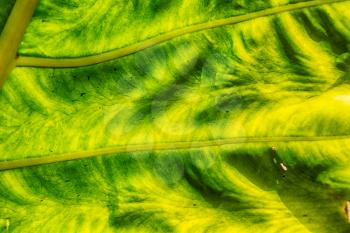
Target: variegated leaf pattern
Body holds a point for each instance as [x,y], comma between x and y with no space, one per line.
[242,127]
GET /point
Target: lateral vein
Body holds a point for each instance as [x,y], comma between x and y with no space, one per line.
[12,35]
[22,163]
[27,61]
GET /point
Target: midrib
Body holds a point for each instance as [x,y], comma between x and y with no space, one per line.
[12,34]
[21,163]
[27,61]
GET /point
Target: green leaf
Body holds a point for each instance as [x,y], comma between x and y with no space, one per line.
[5,9]
[234,119]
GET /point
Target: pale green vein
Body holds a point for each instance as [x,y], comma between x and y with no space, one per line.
[12,35]
[20,163]
[24,61]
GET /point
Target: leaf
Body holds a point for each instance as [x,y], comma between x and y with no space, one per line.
[239,128]
[5,8]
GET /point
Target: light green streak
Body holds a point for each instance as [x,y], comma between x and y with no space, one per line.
[24,61]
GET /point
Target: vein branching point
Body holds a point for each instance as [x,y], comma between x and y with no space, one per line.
[12,35]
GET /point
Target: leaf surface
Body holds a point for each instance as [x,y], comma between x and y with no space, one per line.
[188,123]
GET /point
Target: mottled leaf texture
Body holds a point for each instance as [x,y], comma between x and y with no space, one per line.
[200,124]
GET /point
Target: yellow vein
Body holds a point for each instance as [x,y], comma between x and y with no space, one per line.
[12,34]
[24,61]
[21,163]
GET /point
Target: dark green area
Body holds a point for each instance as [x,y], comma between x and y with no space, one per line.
[5,10]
